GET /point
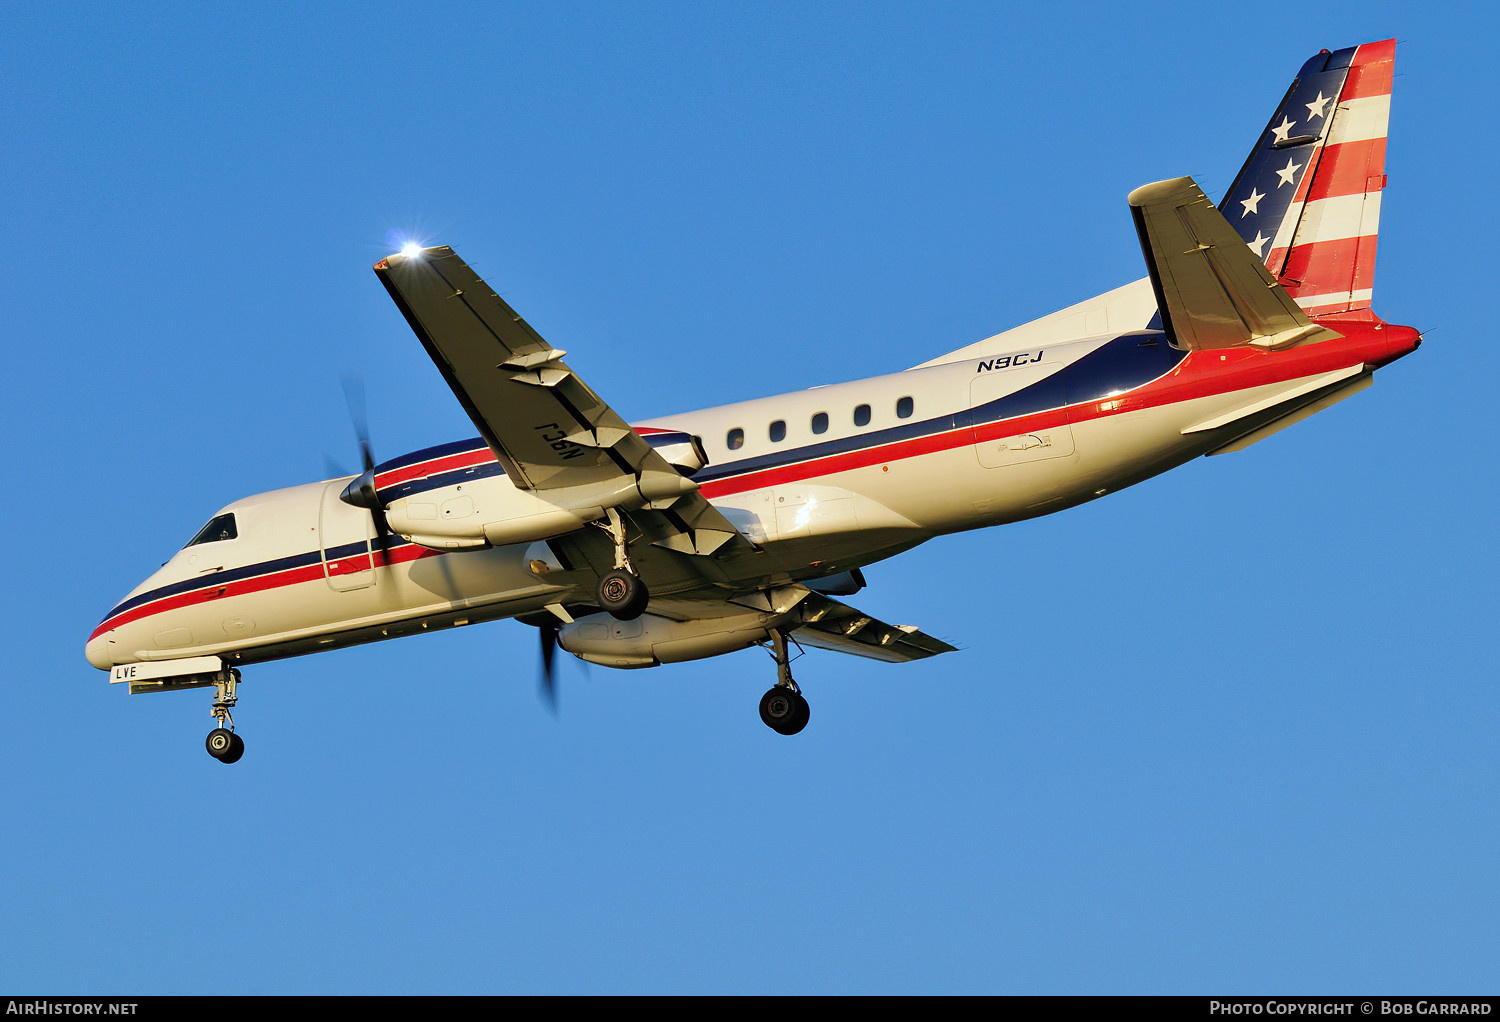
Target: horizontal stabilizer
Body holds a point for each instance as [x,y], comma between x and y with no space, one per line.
[1212,289]
[1328,398]
[1280,397]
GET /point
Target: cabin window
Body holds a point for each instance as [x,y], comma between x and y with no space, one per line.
[778,431]
[736,439]
[820,422]
[862,415]
[904,407]
[220,528]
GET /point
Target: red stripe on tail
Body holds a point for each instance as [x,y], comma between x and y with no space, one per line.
[1371,72]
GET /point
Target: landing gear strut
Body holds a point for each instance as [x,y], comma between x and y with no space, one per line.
[783,709]
[222,743]
[621,591]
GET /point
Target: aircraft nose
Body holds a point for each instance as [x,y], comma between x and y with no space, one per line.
[97,651]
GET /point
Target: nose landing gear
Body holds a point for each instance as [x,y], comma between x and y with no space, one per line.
[222,743]
[783,709]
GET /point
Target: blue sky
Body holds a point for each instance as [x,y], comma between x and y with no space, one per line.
[1232,730]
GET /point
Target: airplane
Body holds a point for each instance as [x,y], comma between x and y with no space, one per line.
[693,535]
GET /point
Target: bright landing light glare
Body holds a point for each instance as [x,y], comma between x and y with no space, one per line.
[411,249]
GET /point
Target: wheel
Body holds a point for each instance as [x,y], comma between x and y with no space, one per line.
[236,750]
[784,711]
[221,743]
[622,594]
[804,714]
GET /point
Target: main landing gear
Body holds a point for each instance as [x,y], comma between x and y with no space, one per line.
[222,743]
[621,591]
[783,709]
[623,594]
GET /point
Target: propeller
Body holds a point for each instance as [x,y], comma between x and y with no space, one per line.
[547,688]
[549,653]
[361,490]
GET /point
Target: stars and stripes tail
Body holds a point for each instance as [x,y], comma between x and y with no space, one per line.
[1308,198]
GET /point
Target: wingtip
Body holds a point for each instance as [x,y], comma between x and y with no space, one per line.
[1158,191]
[410,251]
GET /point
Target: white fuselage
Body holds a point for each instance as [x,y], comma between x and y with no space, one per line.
[820,481]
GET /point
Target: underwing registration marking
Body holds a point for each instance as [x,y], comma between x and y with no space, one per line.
[557,438]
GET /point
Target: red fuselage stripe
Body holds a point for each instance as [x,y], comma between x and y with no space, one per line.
[261,583]
[1199,374]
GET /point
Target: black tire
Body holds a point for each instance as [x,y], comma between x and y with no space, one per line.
[804,714]
[784,711]
[220,743]
[237,749]
[622,594]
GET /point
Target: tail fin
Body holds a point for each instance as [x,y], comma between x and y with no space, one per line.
[1307,201]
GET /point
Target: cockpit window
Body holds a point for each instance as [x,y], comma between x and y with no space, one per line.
[221,527]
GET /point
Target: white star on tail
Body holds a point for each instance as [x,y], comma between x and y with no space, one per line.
[1259,244]
[1315,108]
[1282,130]
[1251,203]
[1288,172]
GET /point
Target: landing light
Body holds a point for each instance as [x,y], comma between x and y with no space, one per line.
[411,250]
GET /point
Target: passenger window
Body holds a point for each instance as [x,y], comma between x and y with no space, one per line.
[778,431]
[904,408]
[862,415]
[221,527]
[736,439]
[820,422]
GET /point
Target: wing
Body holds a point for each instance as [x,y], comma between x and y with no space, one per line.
[857,633]
[817,620]
[550,432]
[1212,290]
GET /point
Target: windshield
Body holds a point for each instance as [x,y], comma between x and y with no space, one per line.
[221,527]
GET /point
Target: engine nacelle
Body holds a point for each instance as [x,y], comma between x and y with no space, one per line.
[492,511]
[486,509]
[650,640]
[482,512]
[682,451]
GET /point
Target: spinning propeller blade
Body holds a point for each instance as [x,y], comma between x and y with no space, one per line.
[549,652]
[361,491]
